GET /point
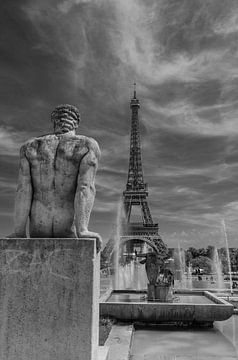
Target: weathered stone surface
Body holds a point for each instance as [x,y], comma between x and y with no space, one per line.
[56,181]
[49,291]
[157,312]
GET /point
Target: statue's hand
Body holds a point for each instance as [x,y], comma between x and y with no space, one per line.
[91,234]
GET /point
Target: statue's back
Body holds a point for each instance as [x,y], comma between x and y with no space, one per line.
[54,162]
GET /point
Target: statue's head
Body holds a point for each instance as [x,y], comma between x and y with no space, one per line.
[65,118]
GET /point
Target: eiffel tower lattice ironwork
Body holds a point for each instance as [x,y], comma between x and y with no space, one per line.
[136,192]
[136,189]
[134,234]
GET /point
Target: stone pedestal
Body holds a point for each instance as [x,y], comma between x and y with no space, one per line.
[160,293]
[49,292]
[151,292]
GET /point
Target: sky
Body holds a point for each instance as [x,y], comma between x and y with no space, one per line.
[183,55]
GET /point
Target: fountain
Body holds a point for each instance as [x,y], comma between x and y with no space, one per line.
[116,237]
[181,307]
[131,276]
[156,300]
[228,254]
[217,268]
[127,274]
[189,284]
[181,258]
[160,302]
[159,275]
[184,279]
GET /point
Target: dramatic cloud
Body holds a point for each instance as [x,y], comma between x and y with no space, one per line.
[183,56]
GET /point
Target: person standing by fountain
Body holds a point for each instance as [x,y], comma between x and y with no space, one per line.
[56,181]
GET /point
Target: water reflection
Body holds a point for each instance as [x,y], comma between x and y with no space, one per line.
[229,328]
[170,343]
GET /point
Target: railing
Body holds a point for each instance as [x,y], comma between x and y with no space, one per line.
[137,229]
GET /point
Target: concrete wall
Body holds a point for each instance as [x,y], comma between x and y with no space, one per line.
[49,291]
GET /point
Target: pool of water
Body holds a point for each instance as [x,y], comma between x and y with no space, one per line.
[141,298]
[173,343]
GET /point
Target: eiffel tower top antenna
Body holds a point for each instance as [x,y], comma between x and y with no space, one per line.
[134,90]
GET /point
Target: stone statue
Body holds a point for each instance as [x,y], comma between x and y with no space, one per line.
[56,181]
[152,266]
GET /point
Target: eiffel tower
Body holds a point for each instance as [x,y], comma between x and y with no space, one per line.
[136,194]
[136,234]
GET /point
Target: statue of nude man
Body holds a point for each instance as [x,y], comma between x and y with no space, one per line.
[56,181]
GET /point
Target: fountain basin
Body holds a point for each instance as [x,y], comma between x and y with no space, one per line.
[192,307]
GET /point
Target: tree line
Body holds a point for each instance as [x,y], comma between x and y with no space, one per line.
[203,258]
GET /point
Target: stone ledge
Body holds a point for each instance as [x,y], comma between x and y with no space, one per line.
[105,296]
[103,352]
[119,341]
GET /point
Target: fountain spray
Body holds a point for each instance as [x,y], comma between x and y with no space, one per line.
[217,267]
[117,235]
[181,265]
[228,254]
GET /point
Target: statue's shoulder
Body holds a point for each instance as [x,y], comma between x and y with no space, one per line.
[46,137]
[33,143]
[90,144]
[27,144]
[36,139]
[93,145]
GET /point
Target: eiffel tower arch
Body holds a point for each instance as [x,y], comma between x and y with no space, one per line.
[136,234]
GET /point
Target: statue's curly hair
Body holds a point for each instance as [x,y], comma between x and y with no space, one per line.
[66,108]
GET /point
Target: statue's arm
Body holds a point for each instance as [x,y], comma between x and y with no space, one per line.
[23,196]
[85,193]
